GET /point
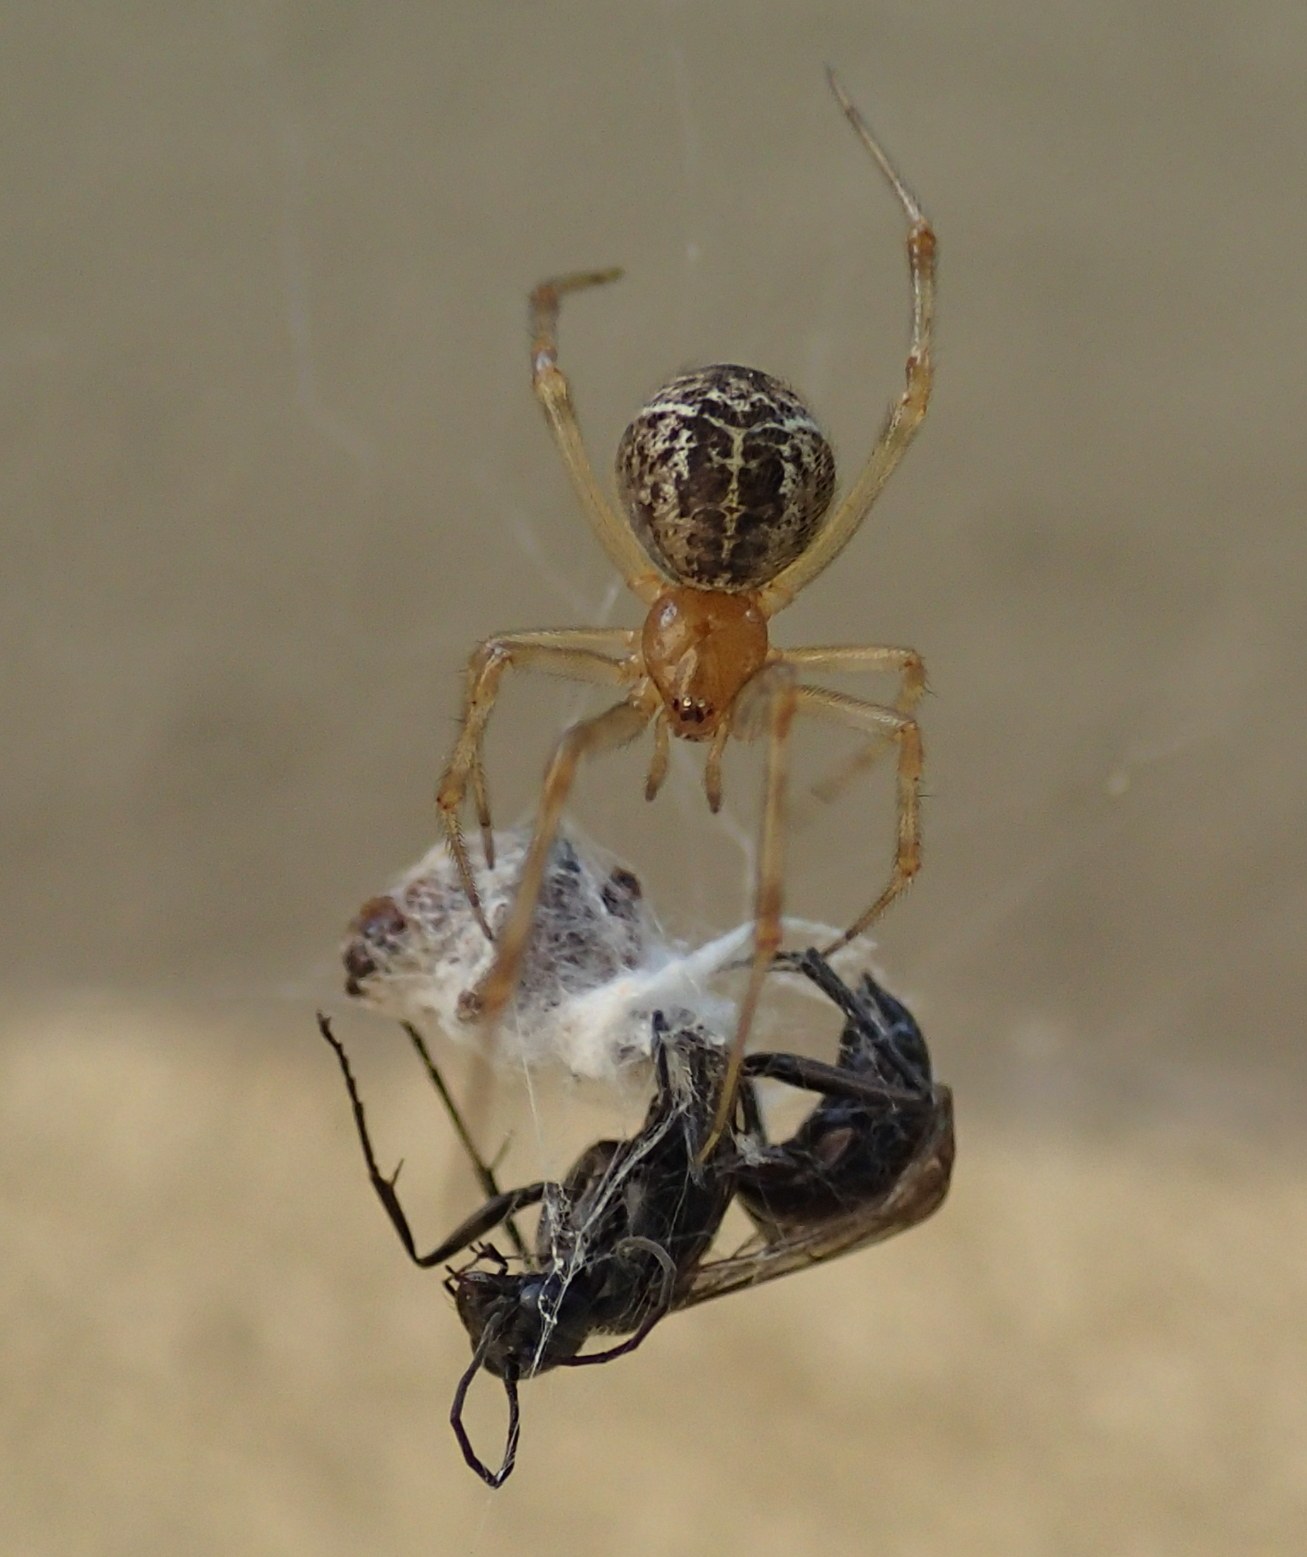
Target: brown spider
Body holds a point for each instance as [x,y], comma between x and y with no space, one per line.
[724,479]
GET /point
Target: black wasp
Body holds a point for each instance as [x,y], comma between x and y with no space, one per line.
[624,1239]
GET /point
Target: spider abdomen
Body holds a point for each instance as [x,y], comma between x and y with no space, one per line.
[725,477]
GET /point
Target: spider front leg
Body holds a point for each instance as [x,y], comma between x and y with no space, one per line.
[776,685]
[906,664]
[606,731]
[903,730]
[642,577]
[908,411]
[577,654]
[853,658]
[785,698]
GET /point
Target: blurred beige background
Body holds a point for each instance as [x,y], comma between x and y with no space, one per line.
[272,466]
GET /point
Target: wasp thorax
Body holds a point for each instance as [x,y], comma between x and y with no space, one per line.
[725,477]
[700,647]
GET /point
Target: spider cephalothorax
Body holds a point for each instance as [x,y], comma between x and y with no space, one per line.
[700,647]
[725,481]
[724,477]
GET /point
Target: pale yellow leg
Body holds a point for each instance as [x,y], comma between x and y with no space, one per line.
[907,664]
[577,655]
[784,700]
[774,690]
[903,730]
[908,411]
[712,768]
[614,727]
[661,757]
[631,560]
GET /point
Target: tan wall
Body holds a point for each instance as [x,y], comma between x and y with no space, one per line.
[273,466]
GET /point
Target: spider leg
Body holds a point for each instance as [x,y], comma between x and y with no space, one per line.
[576,654]
[887,724]
[752,1123]
[661,756]
[631,560]
[851,658]
[776,684]
[496,1210]
[907,664]
[612,728]
[712,768]
[908,411]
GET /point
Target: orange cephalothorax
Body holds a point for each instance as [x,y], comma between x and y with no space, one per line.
[700,646]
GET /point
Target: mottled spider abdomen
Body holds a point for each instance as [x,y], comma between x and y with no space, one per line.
[725,477]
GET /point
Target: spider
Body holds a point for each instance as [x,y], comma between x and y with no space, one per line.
[724,480]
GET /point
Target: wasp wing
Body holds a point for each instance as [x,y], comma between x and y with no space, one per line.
[918,1191]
